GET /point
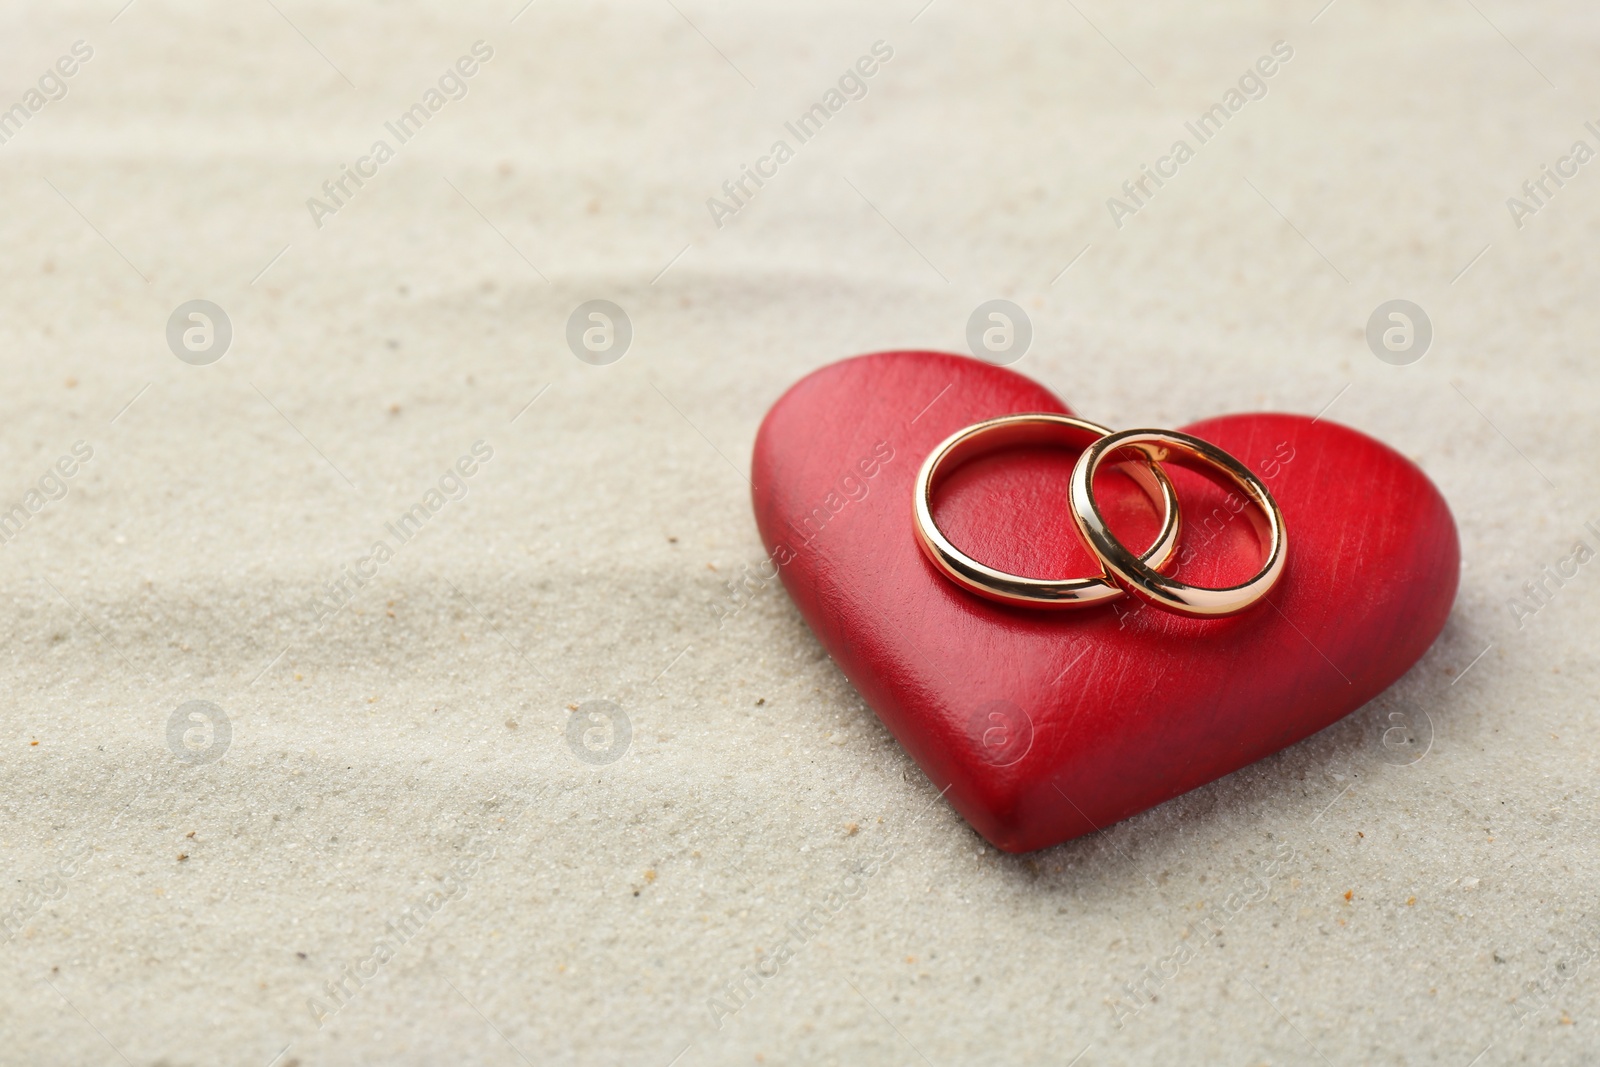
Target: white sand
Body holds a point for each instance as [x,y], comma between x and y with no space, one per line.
[1427,906]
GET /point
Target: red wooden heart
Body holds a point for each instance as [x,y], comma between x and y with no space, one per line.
[1046,726]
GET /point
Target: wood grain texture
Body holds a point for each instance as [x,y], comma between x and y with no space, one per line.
[1046,726]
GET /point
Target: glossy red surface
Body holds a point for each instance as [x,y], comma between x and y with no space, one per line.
[1046,726]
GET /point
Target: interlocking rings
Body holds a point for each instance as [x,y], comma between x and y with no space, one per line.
[1141,452]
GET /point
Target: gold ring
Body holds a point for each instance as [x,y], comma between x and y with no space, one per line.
[986,581]
[1197,602]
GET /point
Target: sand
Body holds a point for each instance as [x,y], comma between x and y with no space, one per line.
[400,805]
